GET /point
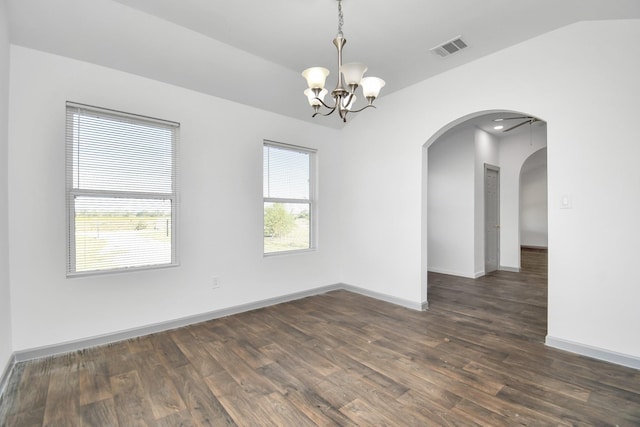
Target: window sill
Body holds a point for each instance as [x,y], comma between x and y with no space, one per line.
[73,275]
[292,252]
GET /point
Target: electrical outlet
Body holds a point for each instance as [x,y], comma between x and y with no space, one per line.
[215,282]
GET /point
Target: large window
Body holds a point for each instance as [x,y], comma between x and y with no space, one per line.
[121,191]
[288,192]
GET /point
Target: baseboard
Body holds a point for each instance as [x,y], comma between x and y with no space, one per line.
[594,352]
[454,273]
[75,345]
[511,269]
[383,297]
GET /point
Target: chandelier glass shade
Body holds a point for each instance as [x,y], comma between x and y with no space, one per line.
[350,77]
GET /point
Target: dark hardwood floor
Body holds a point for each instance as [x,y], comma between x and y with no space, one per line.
[476,357]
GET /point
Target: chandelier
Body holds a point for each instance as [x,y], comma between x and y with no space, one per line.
[350,75]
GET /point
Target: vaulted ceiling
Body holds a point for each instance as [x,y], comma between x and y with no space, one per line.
[252,51]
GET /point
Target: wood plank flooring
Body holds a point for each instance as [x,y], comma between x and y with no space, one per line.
[476,357]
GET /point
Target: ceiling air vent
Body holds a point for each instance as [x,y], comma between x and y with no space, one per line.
[452,46]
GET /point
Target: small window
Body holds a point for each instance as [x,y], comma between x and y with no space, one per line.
[121,191]
[288,193]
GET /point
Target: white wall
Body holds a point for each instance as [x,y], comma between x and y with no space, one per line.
[534,226]
[451,203]
[514,151]
[486,152]
[6,347]
[578,79]
[220,219]
[375,239]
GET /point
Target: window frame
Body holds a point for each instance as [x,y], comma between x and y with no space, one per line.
[72,193]
[312,201]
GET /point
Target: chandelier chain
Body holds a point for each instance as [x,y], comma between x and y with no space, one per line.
[340,19]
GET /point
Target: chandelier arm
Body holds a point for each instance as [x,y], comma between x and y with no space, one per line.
[363,108]
[327,106]
[322,114]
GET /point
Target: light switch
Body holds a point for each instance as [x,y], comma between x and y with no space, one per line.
[565,201]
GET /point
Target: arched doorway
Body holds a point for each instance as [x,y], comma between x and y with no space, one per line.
[455,161]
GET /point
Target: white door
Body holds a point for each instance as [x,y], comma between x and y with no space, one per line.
[491,218]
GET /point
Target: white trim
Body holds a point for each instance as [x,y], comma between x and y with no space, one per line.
[384,297]
[507,268]
[456,273]
[594,352]
[290,252]
[70,346]
[98,340]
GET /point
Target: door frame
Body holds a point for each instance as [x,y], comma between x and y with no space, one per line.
[496,169]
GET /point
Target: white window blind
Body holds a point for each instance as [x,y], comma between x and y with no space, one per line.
[288,189]
[121,190]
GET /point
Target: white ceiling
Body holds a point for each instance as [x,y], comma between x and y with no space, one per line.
[252,51]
